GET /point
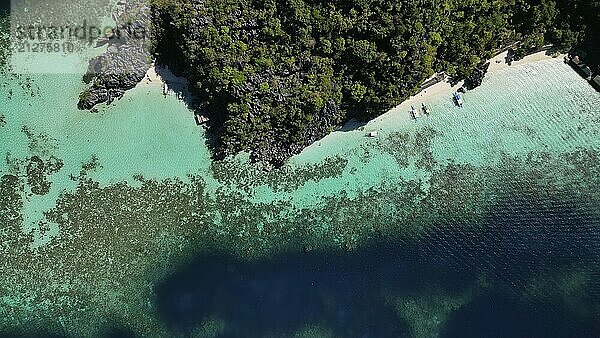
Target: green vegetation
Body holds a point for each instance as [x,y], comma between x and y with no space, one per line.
[276,75]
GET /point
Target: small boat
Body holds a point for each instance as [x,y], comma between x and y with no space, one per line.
[200,119]
[165,89]
[425,109]
[458,100]
[415,114]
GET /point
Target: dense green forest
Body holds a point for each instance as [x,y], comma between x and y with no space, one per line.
[276,75]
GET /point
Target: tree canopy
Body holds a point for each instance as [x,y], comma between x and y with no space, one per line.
[276,75]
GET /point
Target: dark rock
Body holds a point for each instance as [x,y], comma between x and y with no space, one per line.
[126,60]
[474,80]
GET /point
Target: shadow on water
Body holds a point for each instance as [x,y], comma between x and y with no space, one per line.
[117,330]
[522,238]
[280,295]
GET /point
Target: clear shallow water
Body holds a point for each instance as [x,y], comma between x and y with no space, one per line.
[480,221]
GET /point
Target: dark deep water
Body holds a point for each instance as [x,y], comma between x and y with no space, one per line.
[522,241]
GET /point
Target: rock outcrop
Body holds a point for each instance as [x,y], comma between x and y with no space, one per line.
[126,60]
[476,78]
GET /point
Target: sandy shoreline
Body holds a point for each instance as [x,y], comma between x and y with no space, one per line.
[497,63]
[169,83]
[157,75]
[152,77]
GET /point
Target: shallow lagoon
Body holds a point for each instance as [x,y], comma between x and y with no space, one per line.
[480,221]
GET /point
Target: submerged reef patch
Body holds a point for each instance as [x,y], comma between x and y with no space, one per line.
[40,144]
[37,170]
[408,147]
[283,179]
[11,190]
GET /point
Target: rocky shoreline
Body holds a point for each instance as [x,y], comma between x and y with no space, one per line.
[126,60]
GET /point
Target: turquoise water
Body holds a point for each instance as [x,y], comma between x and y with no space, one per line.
[426,225]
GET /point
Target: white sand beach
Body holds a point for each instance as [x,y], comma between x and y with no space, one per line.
[152,77]
[497,63]
[157,75]
[170,83]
